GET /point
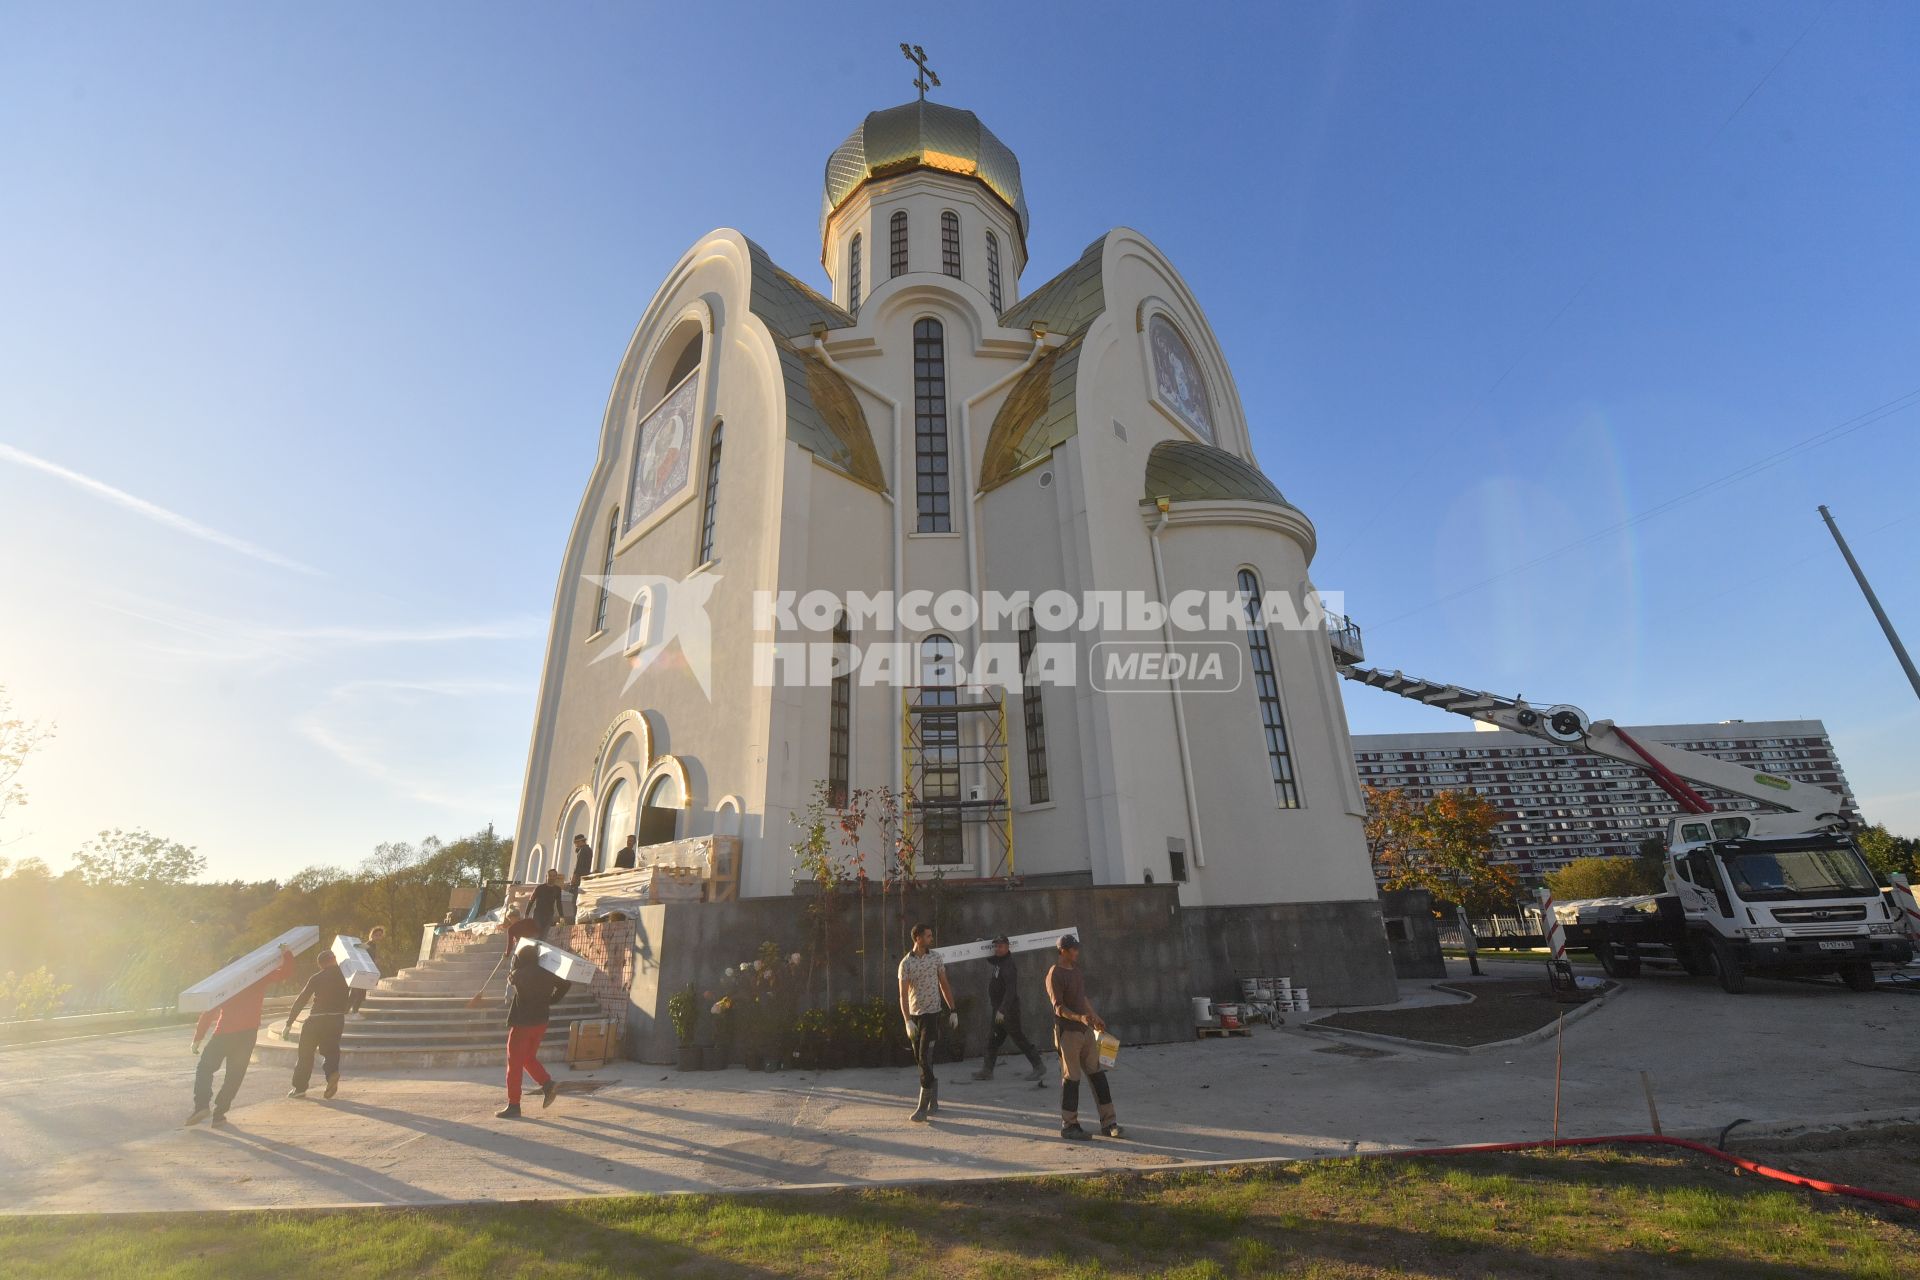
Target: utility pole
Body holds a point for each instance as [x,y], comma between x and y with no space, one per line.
[1873,602]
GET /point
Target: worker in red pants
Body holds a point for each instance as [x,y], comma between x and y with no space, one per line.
[531,992]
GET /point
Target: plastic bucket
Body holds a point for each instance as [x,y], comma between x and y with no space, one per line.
[1202,1011]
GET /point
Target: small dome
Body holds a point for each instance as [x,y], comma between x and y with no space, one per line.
[923,135]
[1188,472]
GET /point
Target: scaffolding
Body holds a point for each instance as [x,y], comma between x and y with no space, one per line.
[957,797]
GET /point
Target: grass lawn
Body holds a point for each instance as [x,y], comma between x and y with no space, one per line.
[1597,1213]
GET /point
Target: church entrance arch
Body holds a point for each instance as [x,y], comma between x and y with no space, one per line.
[660,814]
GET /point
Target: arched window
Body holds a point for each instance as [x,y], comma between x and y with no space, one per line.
[689,361]
[659,816]
[637,620]
[840,715]
[897,248]
[993,272]
[950,243]
[853,277]
[616,821]
[713,494]
[939,794]
[1038,789]
[1266,688]
[606,572]
[930,426]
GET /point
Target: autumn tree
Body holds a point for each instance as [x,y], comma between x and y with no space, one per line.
[1444,846]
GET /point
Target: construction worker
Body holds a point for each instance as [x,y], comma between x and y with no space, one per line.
[235,1027]
[320,1033]
[531,991]
[1003,998]
[924,998]
[1076,1034]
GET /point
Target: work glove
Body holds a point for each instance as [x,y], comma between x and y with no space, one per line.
[953,1020]
[1000,1019]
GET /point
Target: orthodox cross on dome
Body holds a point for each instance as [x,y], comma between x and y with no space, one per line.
[918,57]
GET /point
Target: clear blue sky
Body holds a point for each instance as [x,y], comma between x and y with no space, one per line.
[339,292]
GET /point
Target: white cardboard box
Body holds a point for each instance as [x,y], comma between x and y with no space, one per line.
[1045,940]
[356,966]
[224,984]
[565,965]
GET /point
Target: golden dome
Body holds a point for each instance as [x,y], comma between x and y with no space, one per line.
[923,135]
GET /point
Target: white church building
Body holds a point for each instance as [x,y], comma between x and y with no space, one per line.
[929,425]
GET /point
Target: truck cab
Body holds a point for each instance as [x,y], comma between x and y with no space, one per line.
[1786,904]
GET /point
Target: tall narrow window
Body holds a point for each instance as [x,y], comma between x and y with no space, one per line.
[853,277]
[950,243]
[1038,792]
[840,714]
[993,272]
[713,494]
[939,796]
[897,246]
[606,572]
[1266,687]
[930,426]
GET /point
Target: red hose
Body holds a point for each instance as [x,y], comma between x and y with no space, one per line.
[1660,1140]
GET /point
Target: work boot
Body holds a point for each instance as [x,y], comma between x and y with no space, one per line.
[509,1112]
[333,1085]
[919,1115]
[219,1119]
[296,1093]
[548,1092]
[1075,1132]
[984,1073]
[1039,1072]
[199,1114]
[1114,1131]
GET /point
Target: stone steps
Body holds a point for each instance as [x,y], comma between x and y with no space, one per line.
[420,1018]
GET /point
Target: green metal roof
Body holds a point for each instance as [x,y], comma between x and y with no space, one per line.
[1039,414]
[922,135]
[823,415]
[1187,471]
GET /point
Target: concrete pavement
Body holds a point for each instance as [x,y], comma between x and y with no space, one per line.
[98,1124]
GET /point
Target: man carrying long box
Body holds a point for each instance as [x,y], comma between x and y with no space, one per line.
[235,1027]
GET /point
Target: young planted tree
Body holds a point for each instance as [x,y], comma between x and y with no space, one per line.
[1444,846]
[1603,878]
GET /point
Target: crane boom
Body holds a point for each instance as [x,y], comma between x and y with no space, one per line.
[1673,769]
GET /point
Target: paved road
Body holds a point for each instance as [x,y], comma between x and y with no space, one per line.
[97,1121]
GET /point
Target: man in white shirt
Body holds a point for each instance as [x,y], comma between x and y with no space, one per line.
[924,998]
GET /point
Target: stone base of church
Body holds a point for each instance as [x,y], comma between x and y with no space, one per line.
[1145,955]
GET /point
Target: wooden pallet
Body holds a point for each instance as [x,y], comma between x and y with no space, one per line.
[1203,1033]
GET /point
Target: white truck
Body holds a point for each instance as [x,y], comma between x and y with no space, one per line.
[1783,892]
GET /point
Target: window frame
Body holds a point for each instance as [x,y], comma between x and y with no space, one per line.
[1033,716]
[710,501]
[840,718]
[950,243]
[606,572]
[993,272]
[897,257]
[1266,689]
[932,456]
[853,276]
[934,650]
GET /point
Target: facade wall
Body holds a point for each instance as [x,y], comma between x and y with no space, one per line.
[1145,957]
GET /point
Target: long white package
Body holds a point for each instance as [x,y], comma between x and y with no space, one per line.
[229,982]
[356,966]
[565,965]
[1045,940]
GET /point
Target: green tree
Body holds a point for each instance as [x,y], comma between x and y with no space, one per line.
[136,858]
[1603,878]
[18,739]
[1887,853]
[30,995]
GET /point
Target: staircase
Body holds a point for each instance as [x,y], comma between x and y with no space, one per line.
[420,1018]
